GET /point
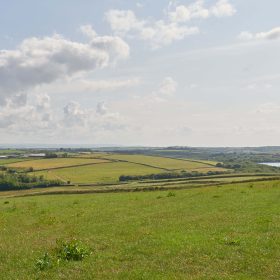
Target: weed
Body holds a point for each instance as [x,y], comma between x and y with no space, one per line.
[170,194]
[72,250]
[6,202]
[232,242]
[43,262]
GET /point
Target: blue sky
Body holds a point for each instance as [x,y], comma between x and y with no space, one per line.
[199,73]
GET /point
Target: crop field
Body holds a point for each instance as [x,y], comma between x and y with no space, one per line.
[98,173]
[91,155]
[50,163]
[4,161]
[225,232]
[167,163]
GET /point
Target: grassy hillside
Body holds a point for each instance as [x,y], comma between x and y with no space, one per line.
[225,232]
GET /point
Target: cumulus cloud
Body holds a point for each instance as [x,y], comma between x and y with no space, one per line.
[183,13]
[38,61]
[74,115]
[96,119]
[34,116]
[157,33]
[272,34]
[223,8]
[165,31]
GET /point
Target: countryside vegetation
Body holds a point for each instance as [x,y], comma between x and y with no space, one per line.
[170,213]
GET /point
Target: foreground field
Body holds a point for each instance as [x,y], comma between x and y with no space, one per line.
[225,232]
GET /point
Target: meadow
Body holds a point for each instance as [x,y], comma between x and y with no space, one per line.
[218,232]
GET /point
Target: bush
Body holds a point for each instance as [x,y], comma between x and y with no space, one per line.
[168,175]
[18,181]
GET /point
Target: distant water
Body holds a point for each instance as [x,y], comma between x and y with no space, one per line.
[275,164]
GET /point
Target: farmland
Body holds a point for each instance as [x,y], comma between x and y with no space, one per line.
[98,173]
[97,168]
[171,218]
[206,233]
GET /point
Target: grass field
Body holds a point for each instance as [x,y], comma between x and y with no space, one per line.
[98,173]
[225,232]
[54,163]
[167,163]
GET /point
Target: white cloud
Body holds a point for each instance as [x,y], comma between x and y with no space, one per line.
[90,120]
[165,31]
[223,9]
[123,21]
[272,34]
[38,61]
[74,115]
[35,115]
[158,33]
[183,13]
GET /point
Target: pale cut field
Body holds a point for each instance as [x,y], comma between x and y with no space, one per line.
[4,161]
[98,173]
[167,163]
[55,163]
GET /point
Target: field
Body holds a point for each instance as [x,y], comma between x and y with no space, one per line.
[52,163]
[98,173]
[165,163]
[225,232]
[12,160]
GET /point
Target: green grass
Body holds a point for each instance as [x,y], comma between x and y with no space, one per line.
[230,232]
[54,163]
[11,151]
[168,163]
[98,173]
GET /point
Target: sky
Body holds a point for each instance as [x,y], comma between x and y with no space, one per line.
[140,73]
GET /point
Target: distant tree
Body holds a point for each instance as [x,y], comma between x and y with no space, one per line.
[51,155]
